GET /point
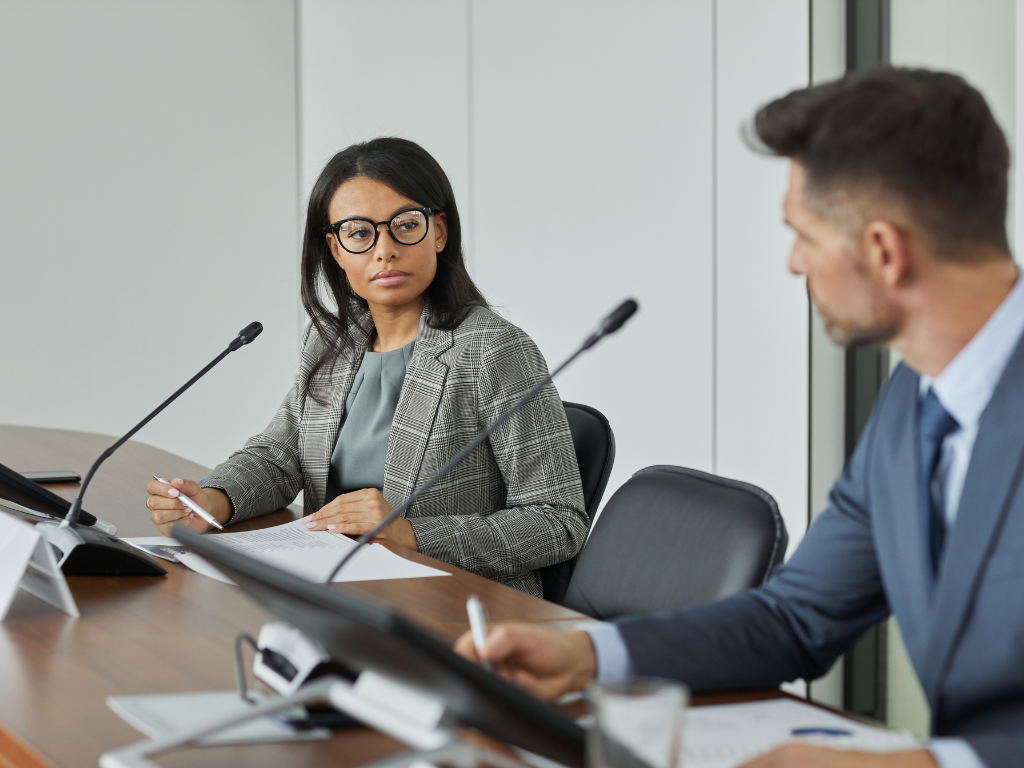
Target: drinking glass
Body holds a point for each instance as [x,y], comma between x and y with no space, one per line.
[637,723]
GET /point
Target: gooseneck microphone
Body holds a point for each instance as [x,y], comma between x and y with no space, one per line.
[90,552]
[609,325]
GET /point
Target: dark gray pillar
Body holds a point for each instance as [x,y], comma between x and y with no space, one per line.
[865,667]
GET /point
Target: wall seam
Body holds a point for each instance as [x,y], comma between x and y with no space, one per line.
[299,219]
[470,138]
[714,236]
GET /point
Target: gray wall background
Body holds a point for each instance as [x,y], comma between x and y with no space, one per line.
[154,160]
[147,213]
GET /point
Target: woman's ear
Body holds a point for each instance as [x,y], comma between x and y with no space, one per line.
[332,243]
[440,231]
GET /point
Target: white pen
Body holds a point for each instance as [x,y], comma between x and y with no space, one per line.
[478,627]
[192,505]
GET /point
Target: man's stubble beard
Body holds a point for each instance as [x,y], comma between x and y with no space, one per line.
[851,334]
[860,335]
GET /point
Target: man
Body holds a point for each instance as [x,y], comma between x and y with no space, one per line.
[897,196]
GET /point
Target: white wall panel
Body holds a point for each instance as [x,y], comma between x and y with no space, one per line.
[580,141]
[593,178]
[762,317]
[385,68]
[147,213]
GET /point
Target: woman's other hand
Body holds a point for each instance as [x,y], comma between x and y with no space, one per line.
[165,505]
[358,512]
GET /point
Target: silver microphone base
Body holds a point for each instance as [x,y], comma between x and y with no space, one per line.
[83,550]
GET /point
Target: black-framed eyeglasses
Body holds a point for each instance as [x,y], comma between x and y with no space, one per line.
[359,235]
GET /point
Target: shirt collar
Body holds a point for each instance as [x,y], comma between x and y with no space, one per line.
[966,384]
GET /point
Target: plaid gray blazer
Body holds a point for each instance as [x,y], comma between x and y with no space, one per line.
[512,506]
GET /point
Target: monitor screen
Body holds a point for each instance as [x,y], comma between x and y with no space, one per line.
[17,488]
[360,634]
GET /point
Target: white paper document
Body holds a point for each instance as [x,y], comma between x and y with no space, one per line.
[162,715]
[727,735]
[312,555]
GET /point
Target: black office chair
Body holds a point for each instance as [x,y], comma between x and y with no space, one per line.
[595,453]
[671,537]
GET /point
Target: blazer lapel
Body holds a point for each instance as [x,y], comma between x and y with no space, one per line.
[417,411]
[317,443]
[899,532]
[992,478]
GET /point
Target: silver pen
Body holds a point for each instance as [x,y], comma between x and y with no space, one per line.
[477,612]
[192,505]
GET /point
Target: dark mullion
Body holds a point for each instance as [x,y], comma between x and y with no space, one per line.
[865,665]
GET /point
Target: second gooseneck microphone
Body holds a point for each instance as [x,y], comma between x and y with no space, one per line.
[609,325]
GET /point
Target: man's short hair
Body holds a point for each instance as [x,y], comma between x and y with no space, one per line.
[925,141]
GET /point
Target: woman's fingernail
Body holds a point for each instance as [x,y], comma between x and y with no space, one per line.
[311,524]
[173,492]
[331,527]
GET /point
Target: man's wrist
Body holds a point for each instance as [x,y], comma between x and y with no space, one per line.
[584,659]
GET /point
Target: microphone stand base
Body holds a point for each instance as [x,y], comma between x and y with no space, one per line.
[86,551]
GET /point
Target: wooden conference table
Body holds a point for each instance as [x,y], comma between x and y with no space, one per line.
[140,635]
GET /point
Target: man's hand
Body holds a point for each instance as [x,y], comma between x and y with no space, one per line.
[805,756]
[544,662]
[358,512]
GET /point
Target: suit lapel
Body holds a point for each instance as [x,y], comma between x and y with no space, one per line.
[899,531]
[992,478]
[318,444]
[417,411]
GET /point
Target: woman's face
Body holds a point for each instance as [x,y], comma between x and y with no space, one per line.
[390,274]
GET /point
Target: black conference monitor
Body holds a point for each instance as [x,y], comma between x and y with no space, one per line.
[17,488]
[363,635]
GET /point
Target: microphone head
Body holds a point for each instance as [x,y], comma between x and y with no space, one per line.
[619,316]
[250,332]
[246,335]
[615,320]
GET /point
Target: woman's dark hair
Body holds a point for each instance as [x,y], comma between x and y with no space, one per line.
[926,139]
[411,171]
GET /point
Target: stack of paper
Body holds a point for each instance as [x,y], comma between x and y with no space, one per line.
[308,554]
[728,735]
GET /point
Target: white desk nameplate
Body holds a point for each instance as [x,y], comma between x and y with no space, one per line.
[28,563]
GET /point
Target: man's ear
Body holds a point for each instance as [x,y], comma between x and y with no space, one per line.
[887,250]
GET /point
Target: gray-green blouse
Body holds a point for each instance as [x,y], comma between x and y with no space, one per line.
[362,446]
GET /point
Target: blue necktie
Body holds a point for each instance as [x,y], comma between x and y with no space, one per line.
[933,425]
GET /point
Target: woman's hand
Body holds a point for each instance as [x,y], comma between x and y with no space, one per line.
[165,505]
[358,512]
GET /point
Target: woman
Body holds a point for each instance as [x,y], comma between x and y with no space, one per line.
[398,372]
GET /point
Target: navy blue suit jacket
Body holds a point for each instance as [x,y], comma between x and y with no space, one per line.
[864,558]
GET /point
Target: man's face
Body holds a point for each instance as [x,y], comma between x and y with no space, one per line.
[839,277]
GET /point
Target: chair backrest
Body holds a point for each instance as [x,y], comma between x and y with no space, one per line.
[594,442]
[672,536]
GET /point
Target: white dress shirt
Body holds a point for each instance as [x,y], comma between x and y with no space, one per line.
[964,387]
